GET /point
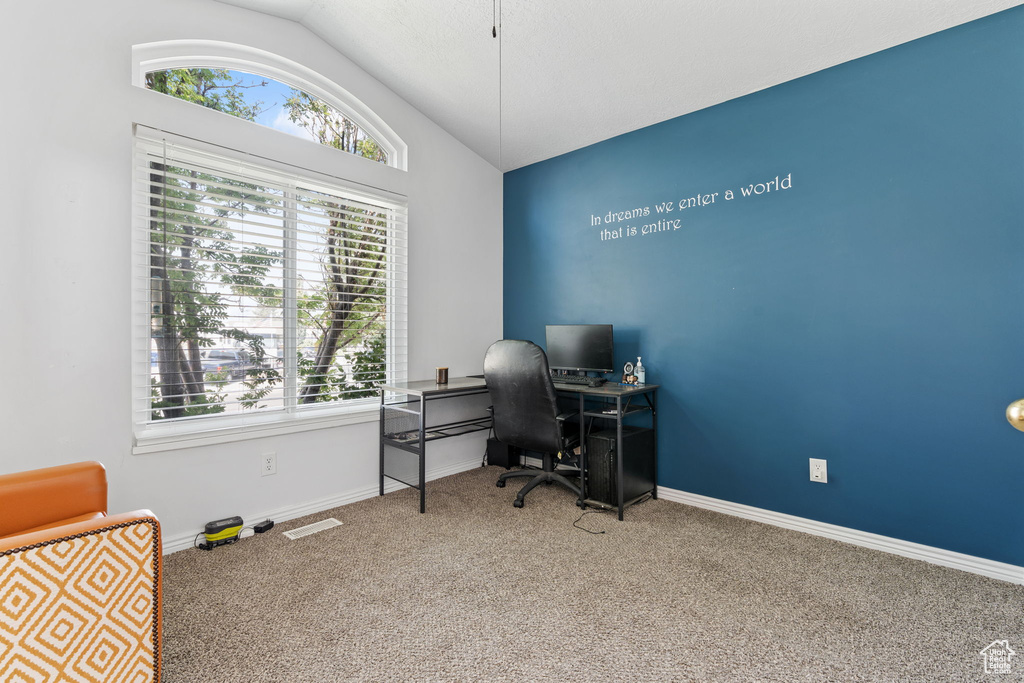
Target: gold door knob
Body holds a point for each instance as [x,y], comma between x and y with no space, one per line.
[1015,414]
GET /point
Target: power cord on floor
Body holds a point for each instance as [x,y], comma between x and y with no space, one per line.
[645,498]
[587,512]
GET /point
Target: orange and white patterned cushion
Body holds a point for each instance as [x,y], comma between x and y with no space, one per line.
[82,608]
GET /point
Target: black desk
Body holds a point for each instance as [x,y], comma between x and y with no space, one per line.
[606,403]
[403,426]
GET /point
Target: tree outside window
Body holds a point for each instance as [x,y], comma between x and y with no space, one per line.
[266,292]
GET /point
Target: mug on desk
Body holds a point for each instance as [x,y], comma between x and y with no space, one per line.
[441,375]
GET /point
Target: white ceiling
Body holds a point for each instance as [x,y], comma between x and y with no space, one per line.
[575,72]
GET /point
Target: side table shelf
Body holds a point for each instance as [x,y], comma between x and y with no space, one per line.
[410,439]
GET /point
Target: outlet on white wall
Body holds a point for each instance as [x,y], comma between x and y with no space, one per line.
[819,470]
[268,464]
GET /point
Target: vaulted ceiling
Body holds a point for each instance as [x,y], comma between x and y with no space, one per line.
[564,74]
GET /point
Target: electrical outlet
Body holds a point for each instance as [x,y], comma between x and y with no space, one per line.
[819,470]
[268,464]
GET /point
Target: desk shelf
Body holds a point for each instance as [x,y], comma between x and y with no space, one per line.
[409,440]
[609,412]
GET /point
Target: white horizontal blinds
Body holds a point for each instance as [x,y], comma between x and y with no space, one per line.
[267,291]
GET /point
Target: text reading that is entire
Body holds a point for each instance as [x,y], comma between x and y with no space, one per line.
[622,220]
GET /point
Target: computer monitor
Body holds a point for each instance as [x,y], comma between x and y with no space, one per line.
[580,347]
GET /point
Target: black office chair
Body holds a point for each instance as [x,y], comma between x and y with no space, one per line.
[525,409]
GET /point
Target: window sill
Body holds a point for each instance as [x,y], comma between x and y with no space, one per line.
[172,438]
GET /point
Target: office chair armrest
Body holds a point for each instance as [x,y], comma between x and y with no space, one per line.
[565,416]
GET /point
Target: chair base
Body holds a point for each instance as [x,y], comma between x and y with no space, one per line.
[546,476]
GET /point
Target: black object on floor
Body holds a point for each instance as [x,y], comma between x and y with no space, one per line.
[637,465]
[503,455]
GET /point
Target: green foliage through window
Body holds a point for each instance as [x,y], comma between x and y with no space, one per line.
[232,258]
[267,102]
[236,262]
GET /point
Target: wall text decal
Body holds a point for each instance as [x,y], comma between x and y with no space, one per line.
[617,224]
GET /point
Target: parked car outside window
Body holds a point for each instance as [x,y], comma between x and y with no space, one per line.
[235,362]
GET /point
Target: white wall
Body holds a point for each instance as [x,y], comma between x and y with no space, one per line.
[65,139]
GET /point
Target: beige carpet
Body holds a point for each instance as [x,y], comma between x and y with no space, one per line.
[476,590]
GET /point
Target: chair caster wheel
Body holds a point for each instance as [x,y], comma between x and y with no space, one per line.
[500,483]
[517,503]
[581,505]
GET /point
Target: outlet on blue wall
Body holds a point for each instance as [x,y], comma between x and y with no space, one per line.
[860,305]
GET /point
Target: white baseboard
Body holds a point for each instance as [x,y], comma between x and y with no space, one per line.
[916,551]
[185,541]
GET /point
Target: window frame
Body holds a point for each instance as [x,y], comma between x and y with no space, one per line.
[261,147]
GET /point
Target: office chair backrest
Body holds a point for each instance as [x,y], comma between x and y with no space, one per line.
[524,400]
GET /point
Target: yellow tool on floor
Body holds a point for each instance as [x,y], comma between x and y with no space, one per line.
[221,532]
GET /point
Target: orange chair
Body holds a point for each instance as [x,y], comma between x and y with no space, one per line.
[79,591]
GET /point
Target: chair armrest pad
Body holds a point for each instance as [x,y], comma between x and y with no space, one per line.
[40,497]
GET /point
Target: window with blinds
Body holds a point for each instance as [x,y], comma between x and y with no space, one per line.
[267,294]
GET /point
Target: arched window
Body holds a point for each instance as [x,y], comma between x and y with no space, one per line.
[269,297]
[204,71]
[269,103]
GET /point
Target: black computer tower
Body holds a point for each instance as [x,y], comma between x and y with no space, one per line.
[502,455]
[637,465]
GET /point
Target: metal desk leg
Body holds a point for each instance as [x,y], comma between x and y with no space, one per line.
[583,455]
[618,452]
[654,426]
[423,454]
[380,439]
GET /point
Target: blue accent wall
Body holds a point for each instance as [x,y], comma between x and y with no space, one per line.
[871,314]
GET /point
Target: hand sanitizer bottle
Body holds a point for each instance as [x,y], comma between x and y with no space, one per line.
[640,372]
